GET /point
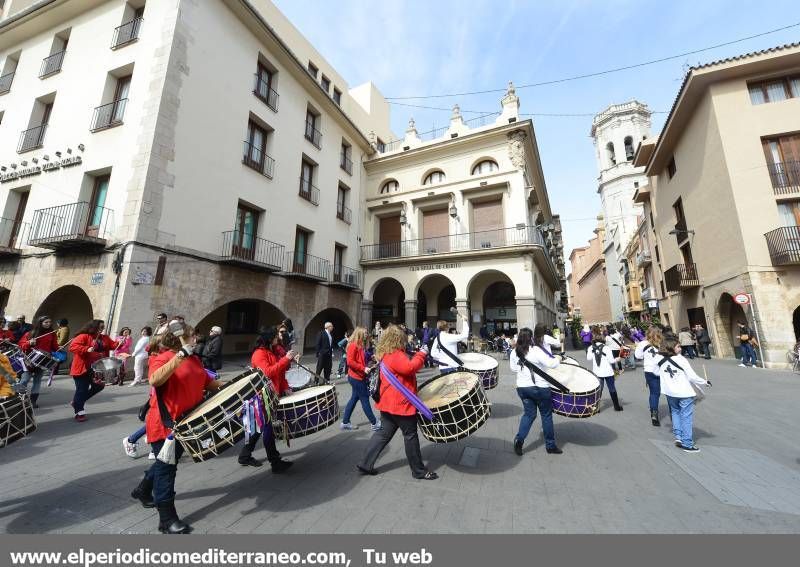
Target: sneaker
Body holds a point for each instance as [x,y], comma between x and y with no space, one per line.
[250,462]
[129,448]
[376,426]
[554,451]
[518,446]
[677,442]
[693,449]
[742,364]
[347,426]
[151,456]
[80,418]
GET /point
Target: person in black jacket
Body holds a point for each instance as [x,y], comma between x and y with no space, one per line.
[703,341]
[212,351]
[325,347]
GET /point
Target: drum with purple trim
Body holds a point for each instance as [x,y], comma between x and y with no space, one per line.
[42,359]
[483,365]
[307,411]
[585,390]
[18,360]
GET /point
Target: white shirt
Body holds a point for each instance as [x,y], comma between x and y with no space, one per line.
[676,382]
[647,352]
[604,369]
[450,342]
[610,341]
[539,358]
[139,351]
[548,342]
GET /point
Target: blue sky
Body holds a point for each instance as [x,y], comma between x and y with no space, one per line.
[418,47]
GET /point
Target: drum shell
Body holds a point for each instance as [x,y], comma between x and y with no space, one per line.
[471,409]
[308,415]
[16,418]
[42,359]
[578,404]
[490,377]
[106,370]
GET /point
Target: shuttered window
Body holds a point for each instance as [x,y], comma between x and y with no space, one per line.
[435,231]
[487,222]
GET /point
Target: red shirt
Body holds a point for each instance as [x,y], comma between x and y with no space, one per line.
[180,393]
[47,343]
[356,362]
[6,335]
[392,401]
[83,359]
[279,350]
[273,367]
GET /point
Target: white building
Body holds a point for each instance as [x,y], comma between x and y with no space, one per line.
[616,133]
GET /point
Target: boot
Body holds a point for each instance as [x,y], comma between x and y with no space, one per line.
[654,418]
[34,398]
[168,521]
[615,399]
[144,493]
[279,466]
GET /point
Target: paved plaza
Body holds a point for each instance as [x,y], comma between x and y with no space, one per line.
[618,474]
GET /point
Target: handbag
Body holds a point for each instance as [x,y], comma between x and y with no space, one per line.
[374,384]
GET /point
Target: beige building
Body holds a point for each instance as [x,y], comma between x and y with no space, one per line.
[724,191]
[588,284]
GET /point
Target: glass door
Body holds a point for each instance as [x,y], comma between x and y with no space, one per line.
[97,206]
[120,98]
[300,251]
[244,235]
[17,226]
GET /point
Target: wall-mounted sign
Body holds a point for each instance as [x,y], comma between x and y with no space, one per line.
[742,298]
[141,276]
[427,267]
[97,278]
[37,169]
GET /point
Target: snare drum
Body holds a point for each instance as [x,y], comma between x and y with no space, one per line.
[216,424]
[106,370]
[15,355]
[585,390]
[298,378]
[483,365]
[42,359]
[307,411]
[458,404]
[16,418]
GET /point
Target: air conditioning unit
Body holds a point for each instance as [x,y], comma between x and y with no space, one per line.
[351,279]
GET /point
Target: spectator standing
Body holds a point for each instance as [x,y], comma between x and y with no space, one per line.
[703,341]
[212,352]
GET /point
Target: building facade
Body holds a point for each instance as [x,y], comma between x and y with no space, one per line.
[616,133]
[724,190]
[588,284]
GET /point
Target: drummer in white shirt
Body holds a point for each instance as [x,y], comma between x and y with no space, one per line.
[549,341]
[532,389]
[647,351]
[603,360]
[449,341]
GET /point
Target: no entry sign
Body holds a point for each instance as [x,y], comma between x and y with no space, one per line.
[742,298]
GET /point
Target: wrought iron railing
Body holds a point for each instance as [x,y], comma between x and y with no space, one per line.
[785,177]
[648,293]
[347,276]
[126,33]
[784,245]
[643,258]
[346,163]
[344,213]
[5,82]
[69,222]
[313,135]
[265,92]
[308,191]
[109,115]
[681,276]
[12,233]
[31,138]
[256,158]
[237,245]
[51,64]
[307,265]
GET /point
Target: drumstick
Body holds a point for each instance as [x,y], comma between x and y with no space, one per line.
[309,370]
[705,374]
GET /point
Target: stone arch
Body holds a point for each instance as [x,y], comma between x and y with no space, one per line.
[728,313]
[388,298]
[480,160]
[487,303]
[68,302]
[241,320]
[438,305]
[341,323]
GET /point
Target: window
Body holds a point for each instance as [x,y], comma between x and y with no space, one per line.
[52,63]
[381,145]
[338,260]
[121,98]
[245,232]
[242,317]
[345,161]
[789,213]
[255,150]
[658,256]
[97,210]
[774,90]
[313,134]
[128,32]
[612,158]
[301,244]
[783,162]
[8,71]
[671,169]
[342,210]
[680,219]
[325,82]
[33,137]
[390,186]
[265,86]
[337,96]
[307,189]
[434,177]
[484,167]
[22,203]
[629,148]
[652,224]
[313,69]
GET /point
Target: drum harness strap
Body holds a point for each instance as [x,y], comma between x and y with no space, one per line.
[619,344]
[536,370]
[407,394]
[447,352]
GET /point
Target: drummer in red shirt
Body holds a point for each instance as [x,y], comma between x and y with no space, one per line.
[265,358]
[88,346]
[396,411]
[179,380]
[41,337]
[5,334]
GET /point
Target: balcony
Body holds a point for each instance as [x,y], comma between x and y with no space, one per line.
[681,231]
[344,277]
[267,94]
[31,139]
[5,83]
[126,34]
[12,237]
[681,277]
[648,293]
[76,225]
[51,65]
[108,115]
[257,159]
[313,135]
[643,258]
[308,191]
[784,245]
[344,213]
[248,251]
[307,267]
[785,177]
[346,164]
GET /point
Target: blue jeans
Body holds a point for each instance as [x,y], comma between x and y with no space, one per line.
[136,435]
[688,351]
[532,398]
[612,389]
[32,372]
[163,475]
[748,354]
[654,385]
[342,365]
[85,388]
[682,410]
[360,394]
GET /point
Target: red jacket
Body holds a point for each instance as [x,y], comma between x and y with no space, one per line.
[356,361]
[47,343]
[6,335]
[279,350]
[180,393]
[273,367]
[392,401]
[83,359]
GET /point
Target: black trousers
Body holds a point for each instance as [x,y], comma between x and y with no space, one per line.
[390,424]
[269,444]
[704,349]
[324,366]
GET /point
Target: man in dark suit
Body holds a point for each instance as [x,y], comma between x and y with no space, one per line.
[703,341]
[325,352]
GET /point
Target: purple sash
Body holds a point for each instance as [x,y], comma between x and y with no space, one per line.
[408,394]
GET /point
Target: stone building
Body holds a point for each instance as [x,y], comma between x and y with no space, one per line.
[588,285]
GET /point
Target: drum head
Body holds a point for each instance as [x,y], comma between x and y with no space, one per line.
[306,394]
[447,388]
[238,384]
[576,378]
[298,377]
[478,361]
[107,363]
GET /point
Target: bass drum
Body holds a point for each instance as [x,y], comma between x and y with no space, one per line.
[483,365]
[585,390]
[16,418]
[458,404]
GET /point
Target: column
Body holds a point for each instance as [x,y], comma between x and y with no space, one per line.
[462,306]
[366,314]
[411,314]
[526,311]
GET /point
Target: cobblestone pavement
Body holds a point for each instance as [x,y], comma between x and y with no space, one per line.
[617,473]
